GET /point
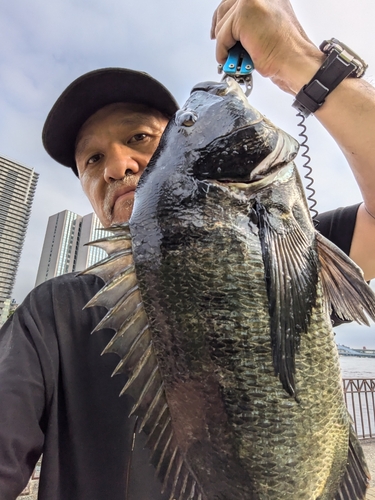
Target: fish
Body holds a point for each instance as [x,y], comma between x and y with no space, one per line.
[220,292]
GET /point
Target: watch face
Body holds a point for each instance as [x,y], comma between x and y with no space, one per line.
[347,54]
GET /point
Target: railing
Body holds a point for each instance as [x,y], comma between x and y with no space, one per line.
[360,400]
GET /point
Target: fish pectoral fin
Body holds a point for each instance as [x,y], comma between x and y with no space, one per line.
[356,478]
[350,297]
[291,271]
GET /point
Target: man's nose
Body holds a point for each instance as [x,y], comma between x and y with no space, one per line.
[119,161]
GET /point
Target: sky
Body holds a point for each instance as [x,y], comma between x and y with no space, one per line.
[46,45]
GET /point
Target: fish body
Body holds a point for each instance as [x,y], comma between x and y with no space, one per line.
[220,292]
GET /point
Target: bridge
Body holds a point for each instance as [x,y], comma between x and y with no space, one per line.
[348,351]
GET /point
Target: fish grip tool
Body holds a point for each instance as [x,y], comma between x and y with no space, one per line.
[239,66]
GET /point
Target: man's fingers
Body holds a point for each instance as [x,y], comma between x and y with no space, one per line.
[221,29]
[213,26]
[219,14]
[225,39]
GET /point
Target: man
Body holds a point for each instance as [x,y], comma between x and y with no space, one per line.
[56,393]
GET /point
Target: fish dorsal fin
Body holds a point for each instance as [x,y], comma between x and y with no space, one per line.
[115,244]
[349,295]
[119,256]
[356,478]
[133,344]
[291,270]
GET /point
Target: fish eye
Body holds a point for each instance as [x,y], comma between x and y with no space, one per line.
[185,118]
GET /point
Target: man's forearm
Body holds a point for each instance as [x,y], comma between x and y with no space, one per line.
[349,116]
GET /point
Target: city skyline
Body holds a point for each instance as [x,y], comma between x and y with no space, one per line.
[64,248]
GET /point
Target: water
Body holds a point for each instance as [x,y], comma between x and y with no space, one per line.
[353,367]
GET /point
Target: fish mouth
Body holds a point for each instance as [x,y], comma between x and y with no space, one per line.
[221,89]
[281,173]
[256,180]
[249,150]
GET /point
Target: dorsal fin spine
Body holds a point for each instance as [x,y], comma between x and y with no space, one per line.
[127,324]
[137,370]
[176,477]
[161,460]
[145,390]
[161,413]
[131,350]
[167,474]
[151,407]
[184,484]
[161,434]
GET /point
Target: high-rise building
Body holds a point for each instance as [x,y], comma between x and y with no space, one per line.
[59,248]
[91,229]
[64,249]
[17,189]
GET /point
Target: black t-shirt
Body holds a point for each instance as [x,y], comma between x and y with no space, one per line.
[338,226]
[57,395]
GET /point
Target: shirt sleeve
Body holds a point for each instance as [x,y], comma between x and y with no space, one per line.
[338,226]
[26,387]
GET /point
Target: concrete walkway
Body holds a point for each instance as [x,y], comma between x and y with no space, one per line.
[368,446]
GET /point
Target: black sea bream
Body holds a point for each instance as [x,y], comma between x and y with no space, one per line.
[220,291]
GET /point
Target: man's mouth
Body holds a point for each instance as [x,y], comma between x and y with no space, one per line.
[123,196]
[117,197]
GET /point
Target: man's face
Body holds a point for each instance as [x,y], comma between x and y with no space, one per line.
[113,148]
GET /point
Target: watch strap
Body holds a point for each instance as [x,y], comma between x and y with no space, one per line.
[332,72]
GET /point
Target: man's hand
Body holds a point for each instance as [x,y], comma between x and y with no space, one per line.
[272,35]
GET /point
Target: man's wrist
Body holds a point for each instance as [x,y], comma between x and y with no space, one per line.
[340,62]
[298,72]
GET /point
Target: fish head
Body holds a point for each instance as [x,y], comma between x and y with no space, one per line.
[243,145]
[217,139]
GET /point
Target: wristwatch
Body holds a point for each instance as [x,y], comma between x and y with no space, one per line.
[341,62]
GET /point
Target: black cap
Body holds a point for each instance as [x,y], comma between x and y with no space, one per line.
[91,92]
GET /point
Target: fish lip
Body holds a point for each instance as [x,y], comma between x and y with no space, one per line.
[253,185]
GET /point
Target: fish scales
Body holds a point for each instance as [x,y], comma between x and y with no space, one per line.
[245,398]
[204,332]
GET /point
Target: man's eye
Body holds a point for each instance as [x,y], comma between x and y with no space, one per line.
[94,159]
[138,137]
